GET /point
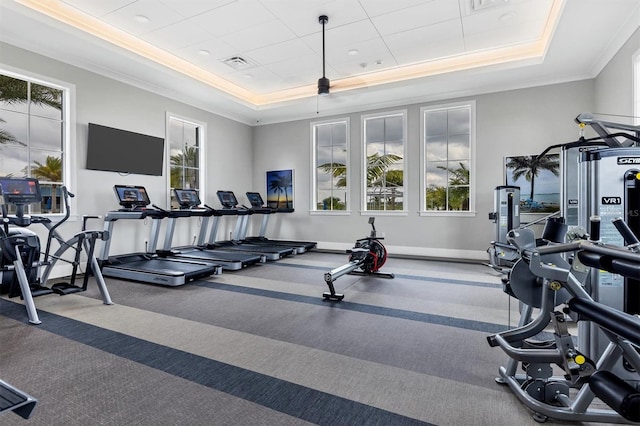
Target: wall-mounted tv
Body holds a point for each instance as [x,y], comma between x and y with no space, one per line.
[116,150]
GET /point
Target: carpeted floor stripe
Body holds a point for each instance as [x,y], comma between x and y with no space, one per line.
[299,401]
[405,276]
[484,327]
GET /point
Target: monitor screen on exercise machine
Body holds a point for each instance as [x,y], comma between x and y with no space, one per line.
[187,198]
[20,191]
[227,199]
[132,197]
[255,199]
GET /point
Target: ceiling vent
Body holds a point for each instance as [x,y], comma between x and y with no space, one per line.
[238,63]
[479,5]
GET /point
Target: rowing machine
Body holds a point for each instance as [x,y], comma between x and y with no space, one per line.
[365,258]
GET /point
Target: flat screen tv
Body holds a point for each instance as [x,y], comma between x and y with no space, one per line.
[116,150]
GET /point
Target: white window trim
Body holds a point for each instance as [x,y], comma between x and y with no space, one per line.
[472,164]
[202,129]
[363,165]
[69,170]
[314,202]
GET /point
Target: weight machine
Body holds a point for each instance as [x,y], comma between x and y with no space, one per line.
[365,258]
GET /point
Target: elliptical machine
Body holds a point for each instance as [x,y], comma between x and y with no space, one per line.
[368,255]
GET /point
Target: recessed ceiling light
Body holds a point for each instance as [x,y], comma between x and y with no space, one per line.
[142,19]
[204,52]
[353,52]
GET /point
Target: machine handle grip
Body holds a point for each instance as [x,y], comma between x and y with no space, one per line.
[594,231]
[625,231]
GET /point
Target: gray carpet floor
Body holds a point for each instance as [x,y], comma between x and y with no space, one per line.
[261,347]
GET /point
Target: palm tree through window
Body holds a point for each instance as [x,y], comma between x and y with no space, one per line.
[32,136]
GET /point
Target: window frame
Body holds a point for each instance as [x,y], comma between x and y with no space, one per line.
[202,135]
[472,160]
[314,180]
[68,148]
[363,163]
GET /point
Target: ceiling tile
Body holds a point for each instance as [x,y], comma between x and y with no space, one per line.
[342,36]
[426,43]
[177,36]
[416,16]
[504,36]
[189,8]
[280,52]
[369,53]
[507,16]
[98,8]
[380,7]
[159,16]
[260,35]
[233,17]
[302,16]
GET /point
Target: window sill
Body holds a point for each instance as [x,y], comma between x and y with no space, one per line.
[448,213]
[330,212]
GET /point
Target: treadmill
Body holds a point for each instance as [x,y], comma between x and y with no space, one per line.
[147,267]
[258,207]
[189,202]
[230,208]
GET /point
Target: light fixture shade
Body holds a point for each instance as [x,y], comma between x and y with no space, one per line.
[323,86]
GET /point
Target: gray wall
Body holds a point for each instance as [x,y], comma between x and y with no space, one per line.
[614,84]
[105,101]
[518,122]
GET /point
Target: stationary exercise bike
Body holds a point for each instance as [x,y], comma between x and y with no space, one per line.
[365,258]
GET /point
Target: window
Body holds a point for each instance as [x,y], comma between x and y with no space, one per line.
[34,136]
[330,165]
[383,163]
[448,146]
[185,140]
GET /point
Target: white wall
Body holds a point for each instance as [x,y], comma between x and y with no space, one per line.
[105,101]
[518,122]
[614,85]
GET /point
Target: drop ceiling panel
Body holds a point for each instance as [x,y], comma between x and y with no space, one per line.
[342,36]
[233,17]
[416,16]
[302,16]
[522,14]
[260,35]
[158,14]
[177,36]
[426,43]
[380,7]
[280,52]
[503,36]
[189,8]
[98,8]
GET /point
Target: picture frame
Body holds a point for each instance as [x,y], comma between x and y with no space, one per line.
[280,191]
[539,181]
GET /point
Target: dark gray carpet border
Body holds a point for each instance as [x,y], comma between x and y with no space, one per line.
[405,276]
[466,324]
[295,400]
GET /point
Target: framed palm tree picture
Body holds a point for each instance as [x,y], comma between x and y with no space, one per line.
[538,179]
[280,189]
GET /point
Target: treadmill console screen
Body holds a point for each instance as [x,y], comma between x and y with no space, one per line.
[255,199]
[20,190]
[227,199]
[187,198]
[132,196]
